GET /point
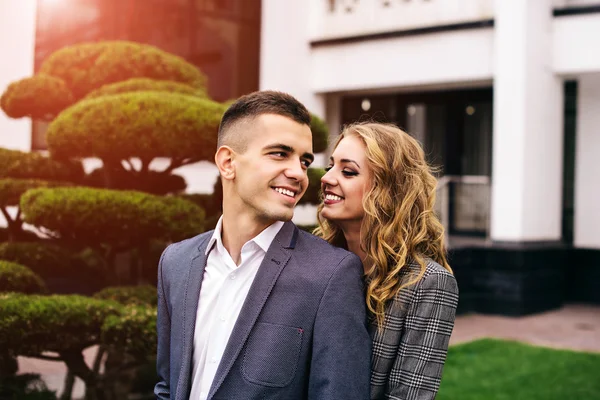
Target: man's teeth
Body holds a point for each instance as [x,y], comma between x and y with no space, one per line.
[332,197]
[285,191]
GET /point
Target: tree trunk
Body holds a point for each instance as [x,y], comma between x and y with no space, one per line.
[68,389]
[94,388]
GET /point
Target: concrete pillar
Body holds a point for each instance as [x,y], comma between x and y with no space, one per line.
[587,167]
[17,45]
[528,125]
[285,54]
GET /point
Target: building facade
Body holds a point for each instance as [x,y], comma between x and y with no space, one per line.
[504,95]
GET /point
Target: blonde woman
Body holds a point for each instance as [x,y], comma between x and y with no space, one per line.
[378,199]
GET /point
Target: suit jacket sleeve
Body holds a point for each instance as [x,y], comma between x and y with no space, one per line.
[341,354]
[424,343]
[162,390]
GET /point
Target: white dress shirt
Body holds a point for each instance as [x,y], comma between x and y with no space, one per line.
[225,286]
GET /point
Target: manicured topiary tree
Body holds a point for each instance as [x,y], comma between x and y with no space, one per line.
[20,171]
[18,278]
[110,221]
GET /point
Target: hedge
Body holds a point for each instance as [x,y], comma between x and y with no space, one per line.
[32,324]
[146,84]
[23,165]
[40,97]
[88,66]
[45,259]
[119,218]
[138,124]
[153,182]
[18,278]
[11,190]
[136,295]
[133,331]
[320,134]
[313,192]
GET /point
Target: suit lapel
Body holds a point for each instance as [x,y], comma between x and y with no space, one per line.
[275,260]
[190,307]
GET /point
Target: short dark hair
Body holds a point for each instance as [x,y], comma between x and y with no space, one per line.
[257,103]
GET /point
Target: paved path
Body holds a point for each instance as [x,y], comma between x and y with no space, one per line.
[574,327]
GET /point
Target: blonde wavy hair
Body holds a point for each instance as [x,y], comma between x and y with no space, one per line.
[399,226]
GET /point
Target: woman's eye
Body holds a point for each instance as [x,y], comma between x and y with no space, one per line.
[349,173]
[328,168]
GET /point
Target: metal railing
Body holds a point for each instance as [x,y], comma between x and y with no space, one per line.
[463,203]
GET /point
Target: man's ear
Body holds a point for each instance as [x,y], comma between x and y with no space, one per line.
[225,161]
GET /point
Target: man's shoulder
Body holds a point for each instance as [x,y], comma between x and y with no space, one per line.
[186,248]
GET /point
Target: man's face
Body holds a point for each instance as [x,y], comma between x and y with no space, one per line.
[270,176]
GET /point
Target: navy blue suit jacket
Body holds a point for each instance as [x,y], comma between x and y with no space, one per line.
[301,334]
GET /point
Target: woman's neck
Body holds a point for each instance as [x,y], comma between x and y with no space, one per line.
[352,237]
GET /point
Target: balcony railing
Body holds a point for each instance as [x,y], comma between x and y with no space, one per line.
[343,18]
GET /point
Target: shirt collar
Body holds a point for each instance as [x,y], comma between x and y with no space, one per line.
[263,239]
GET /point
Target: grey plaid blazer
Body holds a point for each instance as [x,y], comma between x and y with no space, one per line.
[409,353]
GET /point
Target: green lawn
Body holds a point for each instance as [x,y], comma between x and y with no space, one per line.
[501,370]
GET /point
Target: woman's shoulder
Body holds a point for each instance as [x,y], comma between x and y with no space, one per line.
[435,277]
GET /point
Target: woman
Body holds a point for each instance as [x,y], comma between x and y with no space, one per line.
[379,195]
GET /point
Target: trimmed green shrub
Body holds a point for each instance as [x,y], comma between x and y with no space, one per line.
[320,134]
[88,66]
[137,295]
[146,84]
[40,97]
[22,165]
[152,182]
[46,259]
[120,218]
[11,189]
[32,324]
[18,278]
[313,192]
[133,331]
[138,124]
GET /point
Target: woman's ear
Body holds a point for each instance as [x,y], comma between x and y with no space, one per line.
[225,161]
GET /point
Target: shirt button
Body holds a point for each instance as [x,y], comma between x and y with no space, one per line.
[232,276]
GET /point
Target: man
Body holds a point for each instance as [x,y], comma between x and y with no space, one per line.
[258,309]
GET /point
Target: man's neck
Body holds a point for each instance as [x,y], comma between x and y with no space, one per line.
[236,230]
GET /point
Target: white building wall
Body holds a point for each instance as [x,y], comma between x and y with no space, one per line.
[285,52]
[587,167]
[17,41]
[528,130]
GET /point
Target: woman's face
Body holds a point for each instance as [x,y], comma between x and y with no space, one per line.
[346,182]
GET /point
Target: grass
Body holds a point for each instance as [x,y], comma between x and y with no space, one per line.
[501,370]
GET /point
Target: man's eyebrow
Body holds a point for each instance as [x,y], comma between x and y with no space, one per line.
[346,160]
[289,149]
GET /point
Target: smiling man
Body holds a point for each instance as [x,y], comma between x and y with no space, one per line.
[258,309]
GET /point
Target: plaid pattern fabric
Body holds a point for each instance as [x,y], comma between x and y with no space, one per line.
[410,351]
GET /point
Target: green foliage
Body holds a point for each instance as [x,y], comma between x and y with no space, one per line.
[11,189]
[136,295]
[39,97]
[120,218]
[313,192]
[24,387]
[22,165]
[153,182]
[45,259]
[146,84]
[88,66]
[32,324]
[320,134]
[133,331]
[18,278]
[138,124]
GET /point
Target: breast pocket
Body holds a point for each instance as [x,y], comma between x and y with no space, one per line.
[272,354]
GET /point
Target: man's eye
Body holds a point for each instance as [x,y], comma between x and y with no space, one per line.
[306,163]
[278,153]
